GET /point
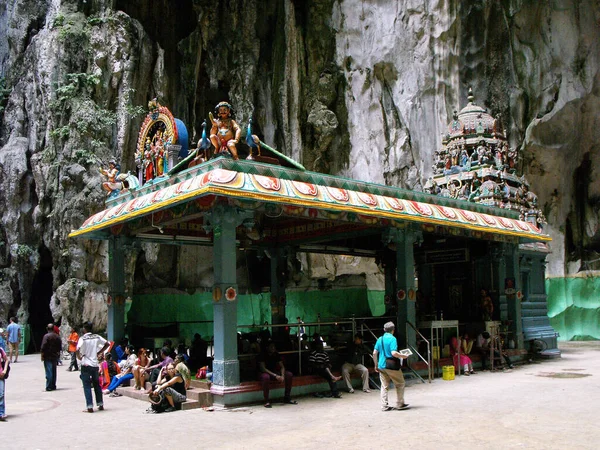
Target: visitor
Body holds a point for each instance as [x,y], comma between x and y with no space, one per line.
[320,365]
[386,348]
[271,368]
[50,353]
[354,364]
[88,347]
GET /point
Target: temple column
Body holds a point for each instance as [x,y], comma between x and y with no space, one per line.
[115,326]
[405,284]
[512,287]
[278,301]
[224,220]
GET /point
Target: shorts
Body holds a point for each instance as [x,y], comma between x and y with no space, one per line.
[13,346]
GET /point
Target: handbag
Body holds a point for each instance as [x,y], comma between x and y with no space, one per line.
[392,363]
[2,361]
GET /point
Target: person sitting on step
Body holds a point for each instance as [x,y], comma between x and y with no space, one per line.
[271,368]
[138,370]
[126,373]
[320,364]
[173,386]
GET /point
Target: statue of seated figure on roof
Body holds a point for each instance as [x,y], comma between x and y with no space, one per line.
[225,132]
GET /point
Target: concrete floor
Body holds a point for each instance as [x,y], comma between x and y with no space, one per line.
[548,405]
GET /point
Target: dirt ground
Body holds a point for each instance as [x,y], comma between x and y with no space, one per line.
[547,405]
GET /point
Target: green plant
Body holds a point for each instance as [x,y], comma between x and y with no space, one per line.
[93,20]
[134,111]
[61,132]
[85,157]
[58,21]
[24,251]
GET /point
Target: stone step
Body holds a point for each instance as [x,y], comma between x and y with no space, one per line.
[196,398]
[200,384]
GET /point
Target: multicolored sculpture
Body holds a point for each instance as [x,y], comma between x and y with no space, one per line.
[117,182]
[162,138]
[476,164]
[225,132]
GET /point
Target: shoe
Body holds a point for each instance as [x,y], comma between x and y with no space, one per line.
[106,392]
[472,372]
[387,408]
[268,405]
[289,401]
[336,396]
[466,374]
[170,409]
[89,410]
[151,411]
[318,395]
[49,389]
[351,391]
[400,408]
[366,391]
[101,408]
[3,419]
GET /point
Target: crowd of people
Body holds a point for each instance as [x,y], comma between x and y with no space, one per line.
[104,366]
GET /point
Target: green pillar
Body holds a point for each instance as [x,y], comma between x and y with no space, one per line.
[278,300]
[224,220]
[405,284]
[115,326]
[389,267]
[513,302]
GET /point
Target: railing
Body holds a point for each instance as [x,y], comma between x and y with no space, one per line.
[414,350]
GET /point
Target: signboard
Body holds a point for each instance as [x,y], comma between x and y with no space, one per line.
[447,256]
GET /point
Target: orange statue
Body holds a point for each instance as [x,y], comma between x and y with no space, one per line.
[225,132]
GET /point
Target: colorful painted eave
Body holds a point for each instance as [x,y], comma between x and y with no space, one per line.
[299,194]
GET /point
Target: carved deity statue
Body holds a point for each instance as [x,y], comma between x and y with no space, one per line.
[225,132]
[112,184]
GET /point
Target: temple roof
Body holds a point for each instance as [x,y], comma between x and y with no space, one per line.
[306,195]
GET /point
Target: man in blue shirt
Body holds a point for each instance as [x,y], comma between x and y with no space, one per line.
[14,338]
[386,348]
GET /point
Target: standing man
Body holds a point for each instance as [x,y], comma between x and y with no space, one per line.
[3,369]
[14,338]
[88,347]
[384,355]
[353,363]
[51,345]
[72,341]
[57,332]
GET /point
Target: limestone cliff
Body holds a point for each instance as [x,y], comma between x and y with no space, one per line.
[359,88]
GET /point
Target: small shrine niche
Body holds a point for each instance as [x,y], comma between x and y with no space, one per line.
[162,142]
[476,164]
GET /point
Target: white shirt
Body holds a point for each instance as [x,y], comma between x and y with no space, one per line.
[89,345]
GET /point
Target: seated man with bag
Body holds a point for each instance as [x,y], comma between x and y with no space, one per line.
[387,361]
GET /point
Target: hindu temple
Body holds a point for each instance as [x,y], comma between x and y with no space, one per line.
[467,255]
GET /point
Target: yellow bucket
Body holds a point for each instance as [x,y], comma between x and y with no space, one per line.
[435,352]
[448,372]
